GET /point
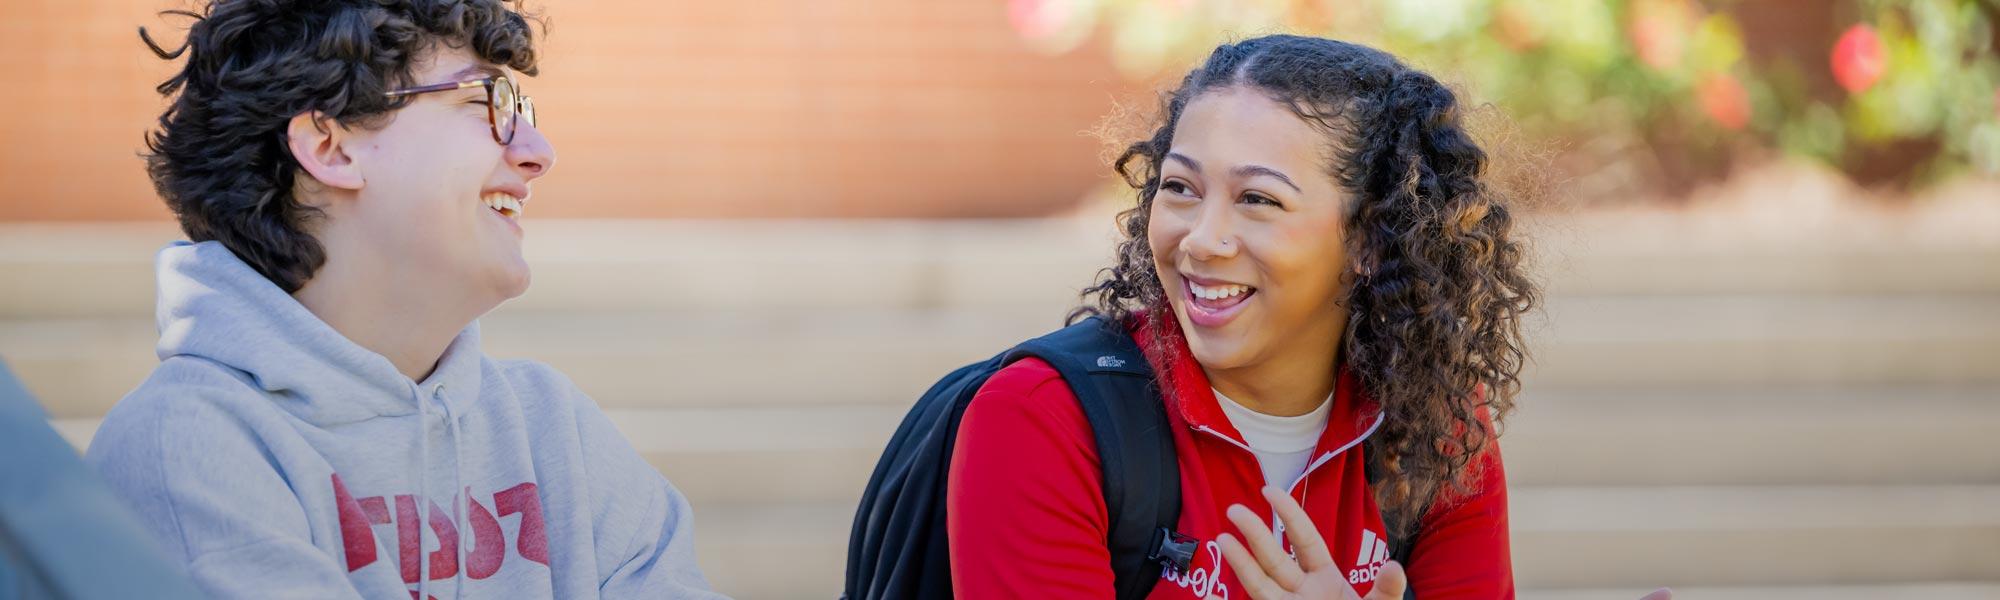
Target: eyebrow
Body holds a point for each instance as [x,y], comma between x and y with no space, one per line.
[1245,171]
[467,73]
[1248,171]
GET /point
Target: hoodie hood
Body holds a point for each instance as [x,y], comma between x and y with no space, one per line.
[215,307]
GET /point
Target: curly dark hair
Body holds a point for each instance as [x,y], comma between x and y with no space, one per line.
[220,158]
[1434,325]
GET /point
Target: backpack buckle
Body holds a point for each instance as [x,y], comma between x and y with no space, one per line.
[1173,549]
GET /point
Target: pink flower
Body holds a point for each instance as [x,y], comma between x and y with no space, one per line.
[1858,60]
[1037,19]
[1724,99]
[1659,32]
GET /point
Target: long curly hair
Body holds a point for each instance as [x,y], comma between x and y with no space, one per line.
[219,157]
[1434,325]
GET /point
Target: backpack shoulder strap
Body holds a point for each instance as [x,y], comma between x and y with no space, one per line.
[1118,394]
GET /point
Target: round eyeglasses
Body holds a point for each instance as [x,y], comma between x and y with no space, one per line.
[505,106]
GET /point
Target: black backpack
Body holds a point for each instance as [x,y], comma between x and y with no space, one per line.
[898,549]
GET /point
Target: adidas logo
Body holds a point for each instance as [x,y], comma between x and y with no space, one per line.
[1368,564]
[1110,362]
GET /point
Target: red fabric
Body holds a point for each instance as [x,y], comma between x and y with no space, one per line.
[1026,507]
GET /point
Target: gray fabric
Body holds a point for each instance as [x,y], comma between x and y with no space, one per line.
[62,534]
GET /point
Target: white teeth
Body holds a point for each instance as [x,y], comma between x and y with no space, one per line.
[1217,292]
[503,202]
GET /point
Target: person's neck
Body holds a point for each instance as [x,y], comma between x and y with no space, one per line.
[1292,382]
[385,310]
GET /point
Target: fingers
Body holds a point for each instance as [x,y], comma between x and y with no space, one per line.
[1270,554]
[1660,594]
[1390,583]
[1249,574]
[1311,548]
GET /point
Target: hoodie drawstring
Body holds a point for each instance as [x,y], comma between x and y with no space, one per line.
[458,523]
[423,487]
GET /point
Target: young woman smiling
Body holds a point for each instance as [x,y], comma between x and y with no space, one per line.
[1330,296]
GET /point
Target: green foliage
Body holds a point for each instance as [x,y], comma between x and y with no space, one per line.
[1892,91]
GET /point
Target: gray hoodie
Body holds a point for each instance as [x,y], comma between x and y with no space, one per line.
[275,458]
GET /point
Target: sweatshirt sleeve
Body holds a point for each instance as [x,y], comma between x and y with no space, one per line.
[644,528]
[1462,548]
[203,485]
[1026,514]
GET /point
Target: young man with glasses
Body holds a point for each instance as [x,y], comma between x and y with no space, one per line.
[322,422]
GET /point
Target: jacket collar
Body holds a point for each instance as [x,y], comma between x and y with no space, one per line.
[1352,418]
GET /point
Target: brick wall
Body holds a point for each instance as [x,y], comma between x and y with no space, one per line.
[738,108]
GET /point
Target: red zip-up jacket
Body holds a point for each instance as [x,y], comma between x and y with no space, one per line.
[1027,518]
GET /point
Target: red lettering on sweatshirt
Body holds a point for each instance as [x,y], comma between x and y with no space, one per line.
[532,542]
[353,526]
[489,548]
[487,553]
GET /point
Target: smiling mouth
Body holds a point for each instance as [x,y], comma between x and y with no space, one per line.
[504,203]
[1218,297]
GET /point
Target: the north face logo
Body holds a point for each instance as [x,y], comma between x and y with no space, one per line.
[1368,563]
[1110,362]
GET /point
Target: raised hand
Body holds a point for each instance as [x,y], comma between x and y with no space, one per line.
[1268,573]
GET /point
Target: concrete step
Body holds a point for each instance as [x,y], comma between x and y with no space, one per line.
[818,453]
[789,492]
[1579,537]
[774,550]
[1843,437]
[1936,444]
[79,367]
[1741,539]
[1766,340]
[1738,436]
[105,269]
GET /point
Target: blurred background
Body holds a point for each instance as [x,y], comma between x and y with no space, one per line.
[1769,366]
